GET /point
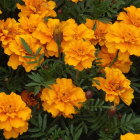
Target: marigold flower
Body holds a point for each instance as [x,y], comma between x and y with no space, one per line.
[29,98]
[116,86]
[100,30]
[62,98]
[14,115]
[29,24]
[45,33]
[124,37]
[131,16]
[123,61]
[72,31]
[8,30]
[43,8]
[17,57]
[130,136]
[79,54]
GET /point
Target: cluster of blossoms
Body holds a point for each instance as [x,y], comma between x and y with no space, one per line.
[12,31]
[53,38]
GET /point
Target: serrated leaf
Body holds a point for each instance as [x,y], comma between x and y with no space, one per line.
[36,91]
[26,46]
[32,84]
[41,57]
[37,135]
[44,122]
[38,51]
[78,134]
[34,130]
[40,121]
[30,57]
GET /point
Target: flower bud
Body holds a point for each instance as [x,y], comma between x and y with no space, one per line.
[89,94]
[112,111]
[58,35]
[60,11]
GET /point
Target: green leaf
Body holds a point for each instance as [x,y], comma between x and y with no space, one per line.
[41,57]
[40,120]
[26,46]
[37,135]
[36,91]
[38,51]
[44,122]
[30,57]
[34,130]
[32,84]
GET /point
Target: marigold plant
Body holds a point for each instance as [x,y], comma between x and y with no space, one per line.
[75,63]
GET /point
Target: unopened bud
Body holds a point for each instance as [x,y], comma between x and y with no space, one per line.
[58,35]
[60,11]
[112,111]
[89,94]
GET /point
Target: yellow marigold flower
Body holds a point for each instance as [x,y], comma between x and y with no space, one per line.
[62,98]
[131,16]
[130,136]
[124,37]
[69,28]
[29,24]
[72,31]
[18,54]
[45,32]
[8,30]
[14,115]
[116,86]
[42,7]
[76,1]
[123,61]
[79,54]
[100,30]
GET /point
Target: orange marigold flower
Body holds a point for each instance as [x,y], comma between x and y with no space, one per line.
[29,98]
[43,8]
[124,37]
[45,32]
[116,86]
[18,52]
[8,30]
[123,61]
[131,16]
[72,31]
[130,136]
[14,115]
[62,98]
[100,30]
[79,54]
[29,24]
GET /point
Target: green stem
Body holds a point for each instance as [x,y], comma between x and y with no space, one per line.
[77,76]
